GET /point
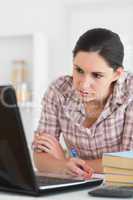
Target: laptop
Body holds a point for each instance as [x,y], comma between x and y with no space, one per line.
[16,171]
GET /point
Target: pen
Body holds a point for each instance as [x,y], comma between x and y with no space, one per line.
[73,152]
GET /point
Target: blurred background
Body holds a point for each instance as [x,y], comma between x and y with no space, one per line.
[37,38]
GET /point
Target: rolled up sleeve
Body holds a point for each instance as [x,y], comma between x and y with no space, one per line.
[127,136]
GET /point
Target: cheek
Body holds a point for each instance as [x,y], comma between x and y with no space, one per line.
[76,79]
[106,84]
[100,86]
[96,85]
[75,82]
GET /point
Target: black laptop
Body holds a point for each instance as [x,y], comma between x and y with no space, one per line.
[16,170]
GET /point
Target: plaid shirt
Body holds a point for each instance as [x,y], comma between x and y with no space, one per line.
[63,113]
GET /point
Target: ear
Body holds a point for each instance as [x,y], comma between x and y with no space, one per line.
[118,73]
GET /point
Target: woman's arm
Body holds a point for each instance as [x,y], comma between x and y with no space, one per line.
[45,162]
[49,157]
[47,143]
[127,135]
[73,167]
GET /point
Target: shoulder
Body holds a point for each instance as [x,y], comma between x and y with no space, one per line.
[129,81]
[60,88]
[126,86]
[128,91]
[62,84]
[129,86]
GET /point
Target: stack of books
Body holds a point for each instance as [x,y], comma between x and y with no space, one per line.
[118,168]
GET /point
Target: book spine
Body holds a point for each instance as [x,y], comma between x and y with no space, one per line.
[114,170]
[118,162]
[119,178]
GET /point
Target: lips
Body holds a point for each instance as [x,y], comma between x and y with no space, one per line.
[83,93]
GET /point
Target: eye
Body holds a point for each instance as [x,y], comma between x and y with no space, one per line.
[79,70]
[97,76]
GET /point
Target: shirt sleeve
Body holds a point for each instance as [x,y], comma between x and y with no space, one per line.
[49,121]
[127,136]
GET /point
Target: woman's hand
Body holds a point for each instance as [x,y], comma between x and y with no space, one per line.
[78,168]
[49,144]
[72,166]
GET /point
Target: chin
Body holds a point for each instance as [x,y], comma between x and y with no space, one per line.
[86,99]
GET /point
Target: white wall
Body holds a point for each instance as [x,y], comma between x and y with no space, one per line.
[114,15]
[28,16]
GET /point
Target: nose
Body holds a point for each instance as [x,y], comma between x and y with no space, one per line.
[86,82]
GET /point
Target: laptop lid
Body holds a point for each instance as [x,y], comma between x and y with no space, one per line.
[16,171]
[15,165]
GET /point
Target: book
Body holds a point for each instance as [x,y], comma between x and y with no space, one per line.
[123,160]
[119,178]
[114,170]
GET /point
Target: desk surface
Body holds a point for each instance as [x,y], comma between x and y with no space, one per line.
[71,195]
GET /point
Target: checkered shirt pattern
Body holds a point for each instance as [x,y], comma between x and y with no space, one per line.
[64,113]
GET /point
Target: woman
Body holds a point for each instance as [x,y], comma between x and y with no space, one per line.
[92,109]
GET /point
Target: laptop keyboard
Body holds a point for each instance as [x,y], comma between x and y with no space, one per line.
[44,181]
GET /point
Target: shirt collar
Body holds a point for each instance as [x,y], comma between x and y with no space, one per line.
[119,96]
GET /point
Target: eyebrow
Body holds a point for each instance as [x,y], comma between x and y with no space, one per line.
[101,73]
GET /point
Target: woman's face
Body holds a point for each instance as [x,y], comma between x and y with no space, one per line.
[92,76]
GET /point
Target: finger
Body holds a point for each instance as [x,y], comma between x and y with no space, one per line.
[87,176]
[33,145]
[45,137]
[78,162]
[78,171]
[49,140]
[51,148]
[44,143]
[88,169]
[37,147]
[72,172]
[43,148]
[69,172]
[49,136]
[75,168]
[41,138]
[36,133]
[38,150]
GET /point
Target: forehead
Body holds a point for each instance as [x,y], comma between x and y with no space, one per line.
[91,61]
